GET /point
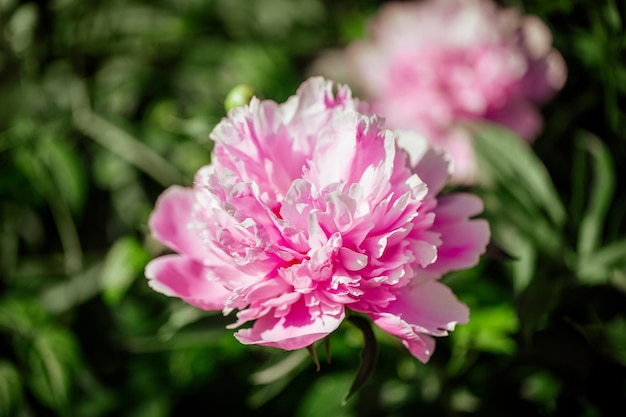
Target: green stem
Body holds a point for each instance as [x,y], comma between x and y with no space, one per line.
[127,147]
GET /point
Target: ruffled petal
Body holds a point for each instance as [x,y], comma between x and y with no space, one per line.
[433,166]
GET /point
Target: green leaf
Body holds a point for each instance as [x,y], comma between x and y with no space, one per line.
[188,366]
[369,355]
[323,398]
[34,168]
[600,194]
[596,267]
[523,252]
[541,387]
[285,365]
[510,163]
[66,295]
[127,146]
[52,360]
[152,407]
[66,170]
[615,333]
[123,263]
[280,372]
[21,316]
[110,171]
[508,217]
[535,304]
[20,29]
[262,395]
[612,16]
[490,329]
[10,389]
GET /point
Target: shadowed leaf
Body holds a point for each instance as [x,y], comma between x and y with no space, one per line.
[10,389]
[52,359]
[124,261]
[369,355]
[509,160]
[599,195]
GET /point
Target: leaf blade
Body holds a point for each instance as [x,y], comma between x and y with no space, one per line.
[369,355]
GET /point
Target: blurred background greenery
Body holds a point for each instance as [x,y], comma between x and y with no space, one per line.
[105,103]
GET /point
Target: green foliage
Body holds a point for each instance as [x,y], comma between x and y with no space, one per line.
[125,260]
[10,389]
[106,103]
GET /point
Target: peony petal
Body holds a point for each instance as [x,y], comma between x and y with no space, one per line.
[172,222]
[352,261]
[420,345]
[296,330]
[434,167]
[425,309]
[458,206]
[463,239]
[178,276]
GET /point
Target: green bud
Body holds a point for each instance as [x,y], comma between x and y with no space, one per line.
[239,96]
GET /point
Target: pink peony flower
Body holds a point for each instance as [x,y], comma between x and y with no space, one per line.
[309,208]
[431,65]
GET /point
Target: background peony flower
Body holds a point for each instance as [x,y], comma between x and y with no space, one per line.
[311,207]
[431,65]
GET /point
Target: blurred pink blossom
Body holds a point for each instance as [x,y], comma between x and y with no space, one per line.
[311,207]
[432,65]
